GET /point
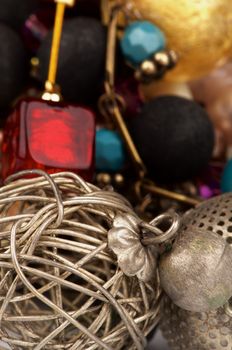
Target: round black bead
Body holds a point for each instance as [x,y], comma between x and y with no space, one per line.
[13,65]
[174,137]
[15,12]
[81,59]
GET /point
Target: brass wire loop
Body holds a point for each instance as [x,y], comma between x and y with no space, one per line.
[112,109]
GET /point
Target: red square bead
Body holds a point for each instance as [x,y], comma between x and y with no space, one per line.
[50,136]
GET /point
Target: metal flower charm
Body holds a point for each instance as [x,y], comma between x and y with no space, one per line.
[134,259]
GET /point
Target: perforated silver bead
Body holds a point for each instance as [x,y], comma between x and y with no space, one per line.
[194,330]
[212,215]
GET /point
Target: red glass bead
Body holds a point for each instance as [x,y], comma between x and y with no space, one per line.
[49,136]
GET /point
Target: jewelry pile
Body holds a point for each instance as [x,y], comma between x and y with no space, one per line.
[116,174]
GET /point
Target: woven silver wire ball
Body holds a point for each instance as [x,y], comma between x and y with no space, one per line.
[202,330]
[60,285]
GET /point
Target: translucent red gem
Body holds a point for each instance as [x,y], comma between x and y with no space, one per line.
[49,136]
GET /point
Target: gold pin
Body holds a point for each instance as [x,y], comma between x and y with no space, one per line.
[52,92]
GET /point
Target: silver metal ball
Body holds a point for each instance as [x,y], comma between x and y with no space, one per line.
[196,273]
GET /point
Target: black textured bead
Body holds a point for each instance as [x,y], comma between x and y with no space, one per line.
[81,59]
[15,12]
[174,136]
[13,65]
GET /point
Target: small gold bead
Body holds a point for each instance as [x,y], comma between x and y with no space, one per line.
[148,68]
[138,75]
[34,62]
[162,58]
[104,178]
[173,56]
[119,179]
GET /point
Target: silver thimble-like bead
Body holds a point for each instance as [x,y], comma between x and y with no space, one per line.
[196,274]
[186,330]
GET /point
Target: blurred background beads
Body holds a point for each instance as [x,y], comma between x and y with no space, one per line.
[208,88]
[208,183]
[129,89]
[15,12]
[220,111]
[36,27]
[214,91]
[189,27]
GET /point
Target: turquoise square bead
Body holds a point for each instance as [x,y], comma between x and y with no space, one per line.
[226,180]
[110,152]
[140,41]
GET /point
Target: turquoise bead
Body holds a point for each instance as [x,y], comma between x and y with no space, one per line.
[226,181]
[110,152]
[140,41]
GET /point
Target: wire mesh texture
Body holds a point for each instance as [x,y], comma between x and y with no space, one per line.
[60,285]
